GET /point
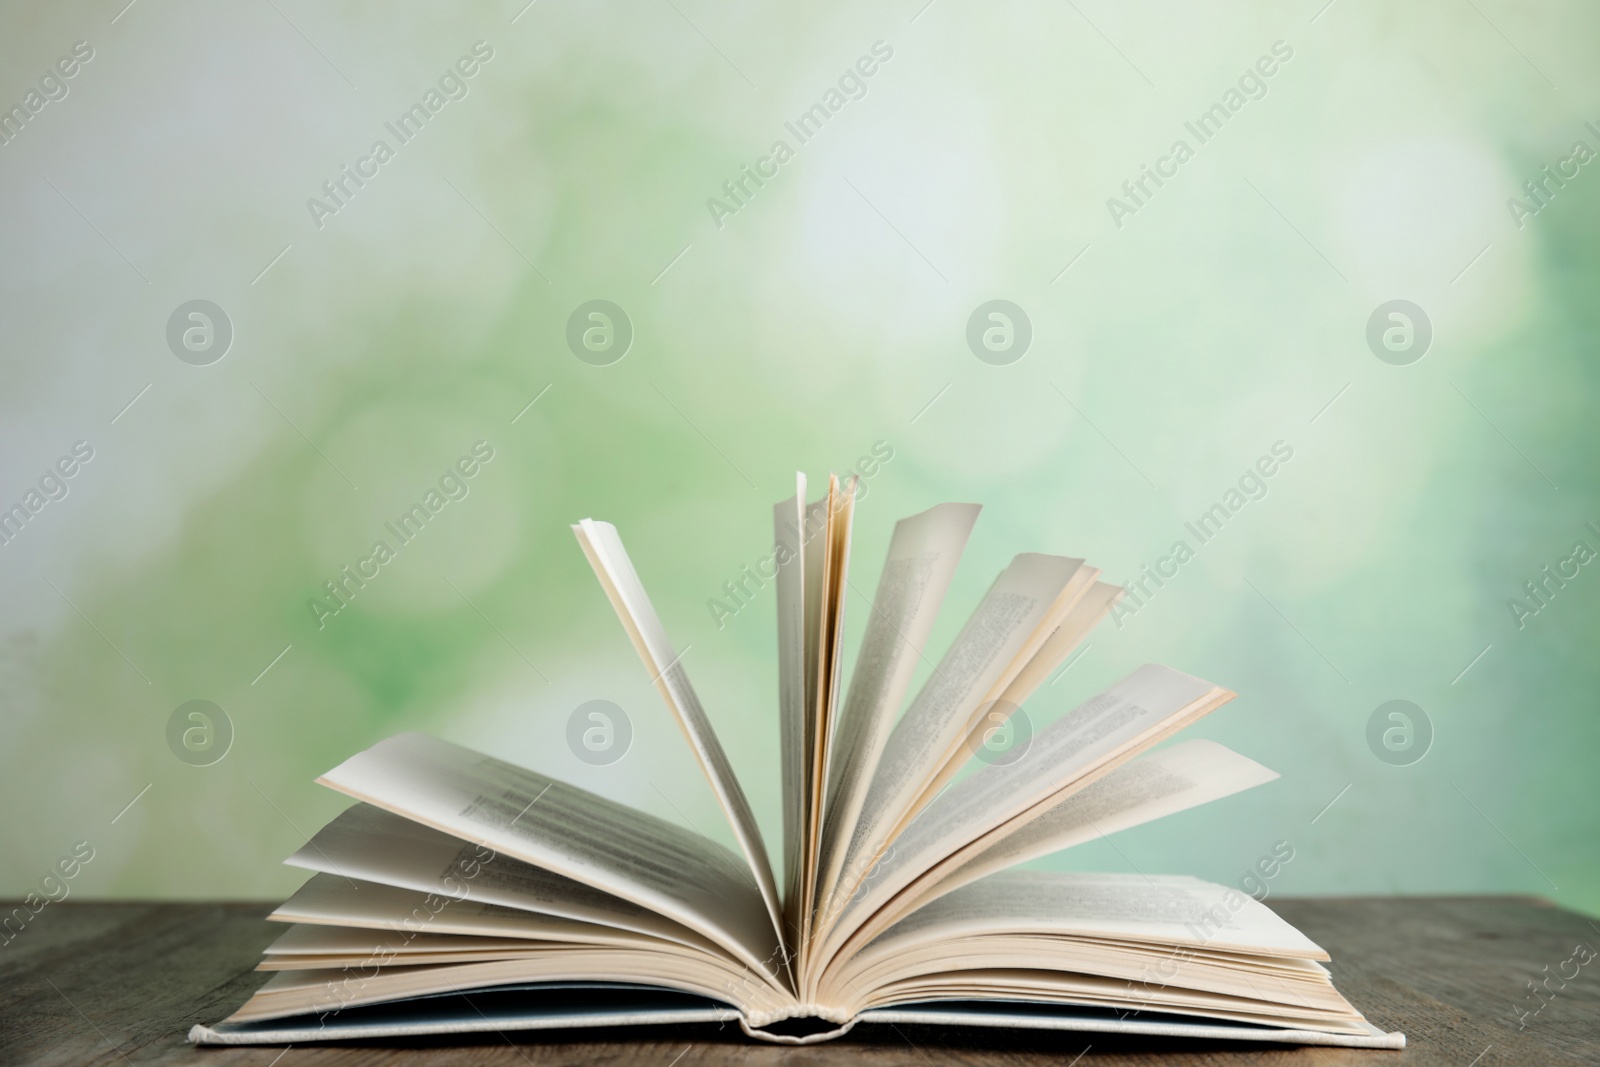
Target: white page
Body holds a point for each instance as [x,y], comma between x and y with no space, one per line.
[372,845]
[980,663]
[336,903]
[1189,918]
[800,534]
[814,549]
[1164,909]
[1075,989]
[838,577]
[823,520]
[818,514]
[1303,984]
[312,939]
[1147,705]
[1170,780]
[1201,967]
[571,831]
[916,575]
[788,518]
[1084,615]
[314,991]
[369,958]
[612,566]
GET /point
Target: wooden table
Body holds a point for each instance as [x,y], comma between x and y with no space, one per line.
[120,984]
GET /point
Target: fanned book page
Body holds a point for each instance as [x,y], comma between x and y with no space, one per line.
[607,846]
[612,566]
[463,894]
[788,525]
[922,560]
[1138,711]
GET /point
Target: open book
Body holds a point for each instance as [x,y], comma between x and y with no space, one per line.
[461,893]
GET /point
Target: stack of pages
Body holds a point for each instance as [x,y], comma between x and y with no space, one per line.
[464,894]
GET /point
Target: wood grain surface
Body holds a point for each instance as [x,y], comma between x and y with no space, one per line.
[120,984]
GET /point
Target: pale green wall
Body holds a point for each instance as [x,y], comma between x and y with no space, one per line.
[822,317]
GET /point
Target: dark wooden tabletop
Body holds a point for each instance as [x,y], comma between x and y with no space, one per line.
[120,983]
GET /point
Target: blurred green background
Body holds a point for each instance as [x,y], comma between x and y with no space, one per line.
[375,345]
